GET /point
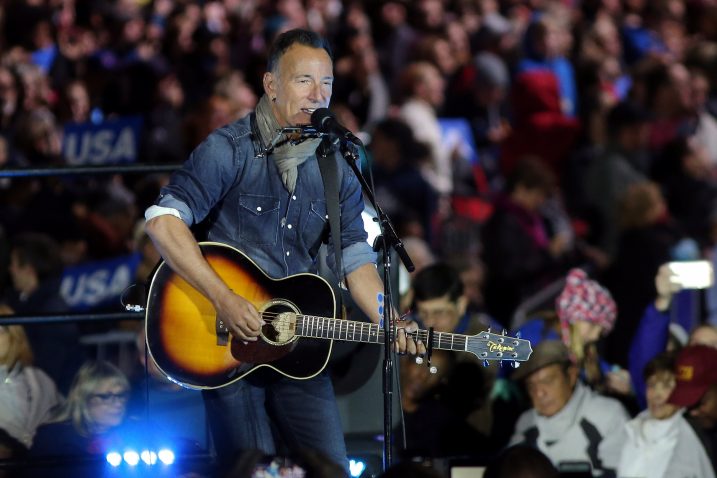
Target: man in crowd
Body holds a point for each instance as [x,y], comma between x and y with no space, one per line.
[568,421]
[696,390]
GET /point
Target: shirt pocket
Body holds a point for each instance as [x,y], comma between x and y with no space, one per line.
[315,223]
[258,219]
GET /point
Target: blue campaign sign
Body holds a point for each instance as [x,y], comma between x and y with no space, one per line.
[110,142]
[99,283]
[456,134]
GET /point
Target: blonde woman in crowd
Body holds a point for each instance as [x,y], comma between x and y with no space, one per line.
[93,418]
[27,394]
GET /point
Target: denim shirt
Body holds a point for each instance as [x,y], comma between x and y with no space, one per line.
[249,208]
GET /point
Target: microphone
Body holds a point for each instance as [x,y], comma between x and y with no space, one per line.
[325,122]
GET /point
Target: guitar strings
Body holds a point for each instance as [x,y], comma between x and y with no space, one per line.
[302,320]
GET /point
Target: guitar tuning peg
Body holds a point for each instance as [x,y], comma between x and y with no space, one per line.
[504,332]
[485,363]
[488,330]
[419,360]
[517,334]
[433,369]
[515,364]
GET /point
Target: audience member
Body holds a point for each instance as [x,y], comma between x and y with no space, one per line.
[568,421]
[648,238]
[92,422]
[521,461]
[657,331]
[424,90]
[520,254]
[399,185]
[27,396]
[35,272]
[704,334]
[660,442]
[613,170]
[696,390]
[436,408]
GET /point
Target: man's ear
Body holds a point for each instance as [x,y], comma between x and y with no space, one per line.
[573,375]
[269,81]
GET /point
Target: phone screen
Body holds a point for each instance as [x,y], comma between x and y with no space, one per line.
[692,274]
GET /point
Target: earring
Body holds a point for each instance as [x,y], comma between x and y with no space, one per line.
[273,99]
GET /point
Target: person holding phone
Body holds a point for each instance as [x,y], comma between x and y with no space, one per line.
[660,330]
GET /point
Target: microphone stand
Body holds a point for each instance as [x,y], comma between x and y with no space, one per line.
[387,239]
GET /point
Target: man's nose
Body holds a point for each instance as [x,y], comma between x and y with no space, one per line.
[317,94]
[540,391]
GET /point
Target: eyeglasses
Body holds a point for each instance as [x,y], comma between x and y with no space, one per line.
[110,397]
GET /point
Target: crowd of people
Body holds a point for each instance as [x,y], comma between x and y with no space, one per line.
[586,160]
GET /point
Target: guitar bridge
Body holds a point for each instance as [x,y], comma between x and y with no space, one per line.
[222,332]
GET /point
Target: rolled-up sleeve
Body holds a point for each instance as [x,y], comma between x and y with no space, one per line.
[355,250]
[204,178]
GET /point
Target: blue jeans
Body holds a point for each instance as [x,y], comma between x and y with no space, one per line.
[246,414]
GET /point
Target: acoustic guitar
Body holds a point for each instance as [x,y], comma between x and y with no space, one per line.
[192,346]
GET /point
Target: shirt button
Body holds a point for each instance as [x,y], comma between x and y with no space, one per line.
[258,208]
[289,226]
[293,197]
[288,253]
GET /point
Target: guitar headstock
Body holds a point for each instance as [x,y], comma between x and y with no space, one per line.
[489,346]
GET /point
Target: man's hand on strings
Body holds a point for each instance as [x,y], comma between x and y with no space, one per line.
[240,317]
[407,341]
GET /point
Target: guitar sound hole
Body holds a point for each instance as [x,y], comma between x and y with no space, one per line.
[280,324]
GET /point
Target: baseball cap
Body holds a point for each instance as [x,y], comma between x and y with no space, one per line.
[695,372]
[547,352]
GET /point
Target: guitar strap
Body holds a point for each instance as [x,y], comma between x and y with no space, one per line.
[326,156]
[329,168]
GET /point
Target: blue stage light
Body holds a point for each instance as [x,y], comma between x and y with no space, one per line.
[131,457]
[356,467]
[166,456]
[114,458]
[149,457]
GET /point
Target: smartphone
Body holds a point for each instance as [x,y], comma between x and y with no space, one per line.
[575,469]
[692,274]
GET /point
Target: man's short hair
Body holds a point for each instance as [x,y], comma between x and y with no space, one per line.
[664,362]
[292,37]
[435,281]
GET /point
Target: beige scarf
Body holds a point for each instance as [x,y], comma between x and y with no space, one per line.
[286,155]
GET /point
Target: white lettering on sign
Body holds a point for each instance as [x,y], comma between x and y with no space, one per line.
[94,287]
[101,146]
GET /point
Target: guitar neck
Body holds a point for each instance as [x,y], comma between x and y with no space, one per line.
[355,331]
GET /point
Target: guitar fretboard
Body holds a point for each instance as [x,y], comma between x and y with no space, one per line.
[355,331]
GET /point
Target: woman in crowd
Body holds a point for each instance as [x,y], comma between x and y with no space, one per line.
[92,422]
[27,394]
[586,313]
